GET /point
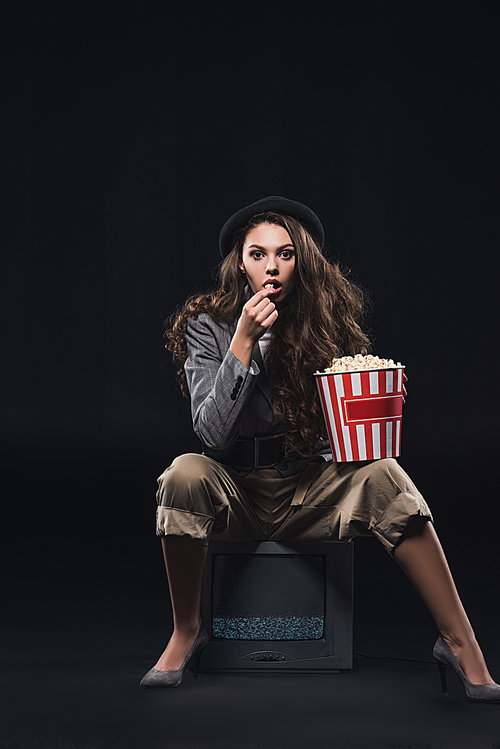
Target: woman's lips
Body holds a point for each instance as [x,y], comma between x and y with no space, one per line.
[275,285]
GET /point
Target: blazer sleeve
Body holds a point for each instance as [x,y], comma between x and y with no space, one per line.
[219,384]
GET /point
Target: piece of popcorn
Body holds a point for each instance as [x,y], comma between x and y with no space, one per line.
[359,363]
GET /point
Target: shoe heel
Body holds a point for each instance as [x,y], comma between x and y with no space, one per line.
[195,663]
[442,676]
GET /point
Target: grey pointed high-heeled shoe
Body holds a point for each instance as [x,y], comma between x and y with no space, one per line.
[155,678]
[478,692]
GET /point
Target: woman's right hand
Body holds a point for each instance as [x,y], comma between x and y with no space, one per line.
[257,316]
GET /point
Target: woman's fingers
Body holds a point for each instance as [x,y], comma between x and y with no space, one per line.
[259,300]
[260,307]
[272,317]
[258,314]
[265,316]
[264,309]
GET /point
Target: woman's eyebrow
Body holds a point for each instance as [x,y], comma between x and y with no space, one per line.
[258,247]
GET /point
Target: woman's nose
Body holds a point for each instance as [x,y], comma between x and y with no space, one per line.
[272,267]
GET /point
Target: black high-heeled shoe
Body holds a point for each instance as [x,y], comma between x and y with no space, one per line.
[155,678]
[478,692]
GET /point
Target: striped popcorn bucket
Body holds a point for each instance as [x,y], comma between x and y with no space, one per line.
[363,412]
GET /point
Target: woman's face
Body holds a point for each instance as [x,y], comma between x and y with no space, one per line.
[269,258]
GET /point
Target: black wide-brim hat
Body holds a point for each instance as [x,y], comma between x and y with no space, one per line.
[274,203]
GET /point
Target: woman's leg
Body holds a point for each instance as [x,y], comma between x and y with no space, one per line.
[196,495]
[422,558]
[184,560]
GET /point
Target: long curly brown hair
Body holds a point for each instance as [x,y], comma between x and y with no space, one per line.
[322,320]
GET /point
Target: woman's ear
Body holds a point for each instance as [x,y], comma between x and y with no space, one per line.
[242,268]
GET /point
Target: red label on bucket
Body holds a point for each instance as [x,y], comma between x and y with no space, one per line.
[363,412]
[368,409]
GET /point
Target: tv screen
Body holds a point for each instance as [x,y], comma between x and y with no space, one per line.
[268,597]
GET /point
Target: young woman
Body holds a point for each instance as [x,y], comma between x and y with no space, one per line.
[246,353]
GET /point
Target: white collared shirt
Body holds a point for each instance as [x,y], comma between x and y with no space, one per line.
[264,342]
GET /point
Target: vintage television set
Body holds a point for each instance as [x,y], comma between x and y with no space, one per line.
[278,607]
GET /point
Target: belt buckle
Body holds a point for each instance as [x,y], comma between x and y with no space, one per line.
[257,441]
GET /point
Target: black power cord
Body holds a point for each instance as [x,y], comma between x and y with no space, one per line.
[394,658]
[391,658]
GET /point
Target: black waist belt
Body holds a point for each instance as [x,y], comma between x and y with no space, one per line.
[259,452]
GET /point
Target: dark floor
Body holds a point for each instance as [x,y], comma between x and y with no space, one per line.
[79,689]
[70,680]
[86,614]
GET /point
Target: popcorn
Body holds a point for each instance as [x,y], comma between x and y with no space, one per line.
[359,363]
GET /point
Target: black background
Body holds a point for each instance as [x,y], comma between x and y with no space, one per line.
[130,134]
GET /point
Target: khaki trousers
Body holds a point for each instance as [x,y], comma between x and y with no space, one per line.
[199,498]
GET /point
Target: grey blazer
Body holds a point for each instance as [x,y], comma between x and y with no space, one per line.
[227,400]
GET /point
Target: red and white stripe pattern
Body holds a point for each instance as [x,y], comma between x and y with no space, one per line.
[363,412]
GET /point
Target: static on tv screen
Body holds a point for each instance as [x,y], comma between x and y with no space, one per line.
[268,597]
